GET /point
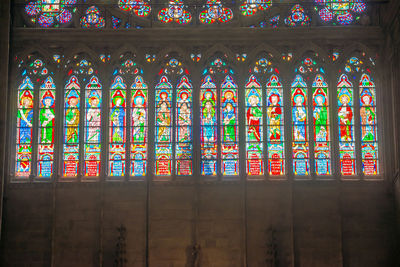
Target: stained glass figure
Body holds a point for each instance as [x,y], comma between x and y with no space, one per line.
[298,17]
[345,11]
[250,7]
[139,127]
[117,124]
[209,124]
[176,11]
[369,140]
[140,8]
[92,18]
[299,127]
[229,127]
[275,133]
[47,95]
[321,126]
[346,126]
[254,127]
[183,130]
[24,128]
[48,13]
[163,131]
[72,106]
[215,12]
[93,100]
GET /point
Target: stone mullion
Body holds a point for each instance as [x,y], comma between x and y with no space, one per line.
[58,124]
[12,123]
[241,96]
[333,124]
[311,129]
[105,81]
[196,128]
[35,124]
[128,124]
[149,79]
[357,126]
[286,79]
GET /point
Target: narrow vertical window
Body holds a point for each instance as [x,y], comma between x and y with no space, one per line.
[346,126]
[275,123]
[183,147]
[117,119]
[47,96]
[299,127]
[24,128]
[139,127]
[254,127]
[92,153]
[369,140]
[163,133]
[72,105]
[321,126]
[208,137]
[229,127]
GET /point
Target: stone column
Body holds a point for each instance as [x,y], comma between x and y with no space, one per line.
[4,50]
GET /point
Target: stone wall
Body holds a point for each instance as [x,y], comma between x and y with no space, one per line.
[315,224]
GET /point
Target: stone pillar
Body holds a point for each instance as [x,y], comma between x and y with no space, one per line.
[4,51]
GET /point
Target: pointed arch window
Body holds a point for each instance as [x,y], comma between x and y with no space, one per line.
[127,121]
[311,119]
[321,126]
[300,135]
[35,133]
[173,120]
[358,129]
[369,129]
[82,112]
[272,144]
[219,121]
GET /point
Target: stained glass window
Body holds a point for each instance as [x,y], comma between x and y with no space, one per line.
[163,138]
[275,121]
[358,70]
[36,80]
[346,126]
[127,149]
[92,122]
[298,17]
[184,132]
[140,8]
[229,127]
[321,127]
[176,11]
[215,12]
[25,128]
[219,121]
[209,124]
[117,119]
[344,11]
[250,7]
[48,13]
[369,140]
[139,98]
[300,140]
[273,93]
[92,18]
[254,127]
[86,110]
[72,109]
[47,98]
